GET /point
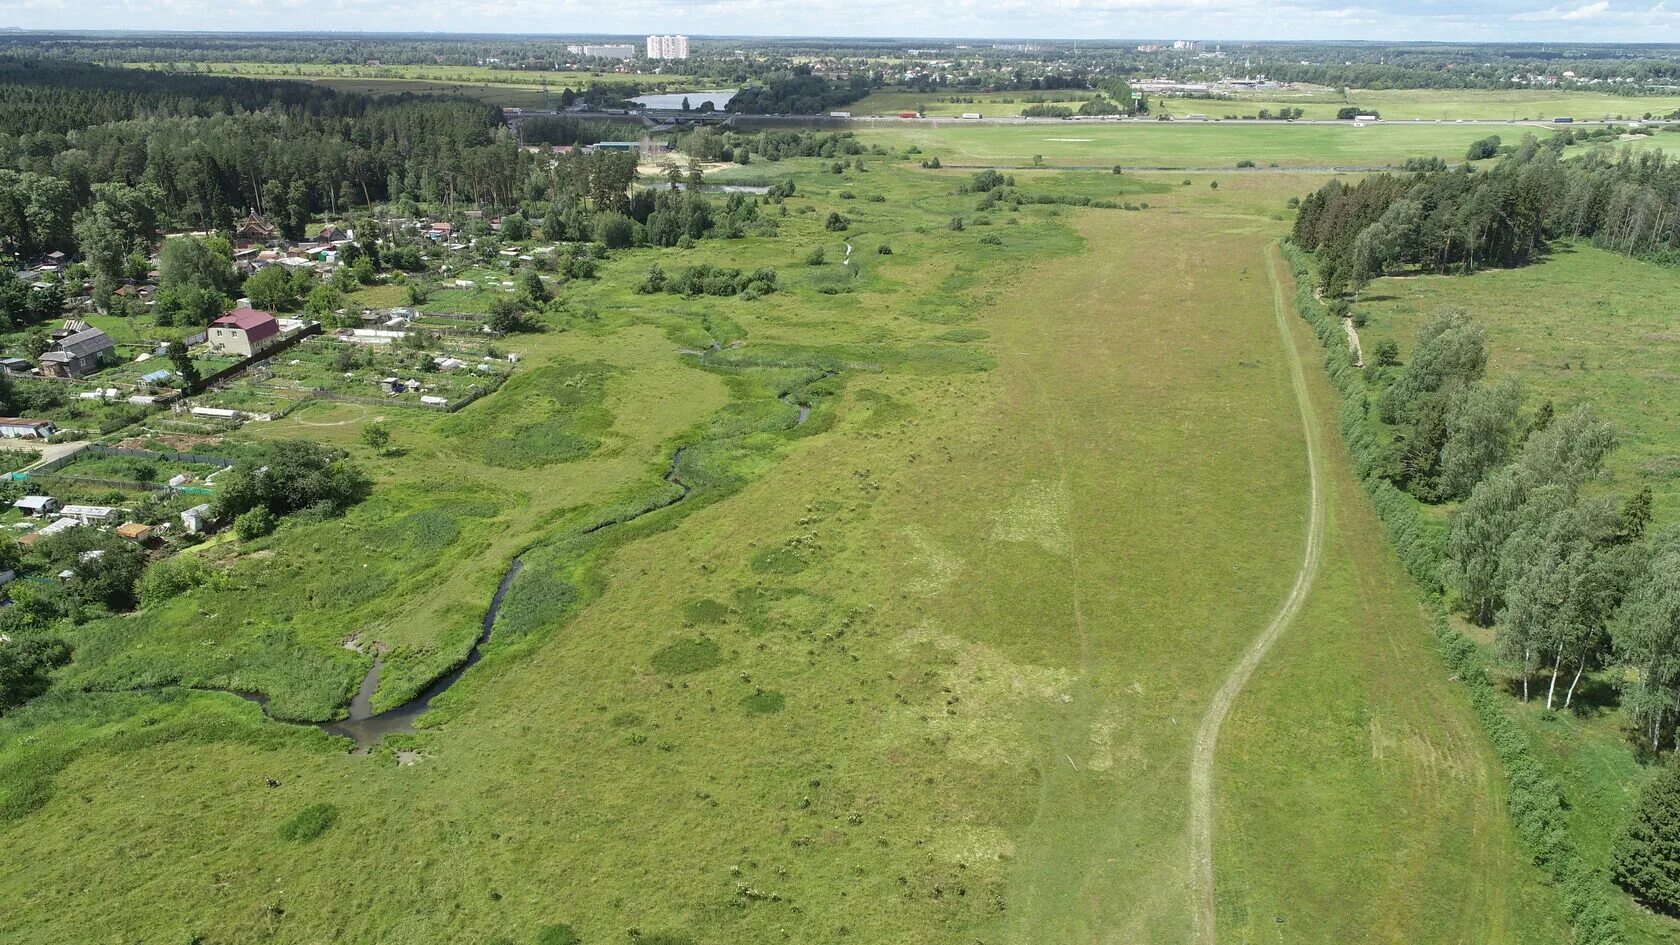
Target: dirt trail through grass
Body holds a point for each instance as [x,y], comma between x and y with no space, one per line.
[1207,732]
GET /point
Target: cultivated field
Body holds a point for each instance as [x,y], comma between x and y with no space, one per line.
[923,665]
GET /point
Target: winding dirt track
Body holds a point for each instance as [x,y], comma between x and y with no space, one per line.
[1207,732]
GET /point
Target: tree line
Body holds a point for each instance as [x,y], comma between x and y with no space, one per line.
[1464,219]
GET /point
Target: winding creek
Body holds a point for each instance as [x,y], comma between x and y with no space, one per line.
[366,728]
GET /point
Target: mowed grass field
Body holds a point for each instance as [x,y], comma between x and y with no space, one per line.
[925,668]
[1177,144]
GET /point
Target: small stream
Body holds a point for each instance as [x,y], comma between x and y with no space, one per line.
[366,728]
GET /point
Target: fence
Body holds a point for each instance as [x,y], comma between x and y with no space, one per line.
[47,472]
[234,370]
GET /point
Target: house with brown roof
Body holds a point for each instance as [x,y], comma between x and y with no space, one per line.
[256,229]
[243,332]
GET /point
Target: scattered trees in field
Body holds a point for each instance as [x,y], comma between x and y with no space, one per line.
[1483,149]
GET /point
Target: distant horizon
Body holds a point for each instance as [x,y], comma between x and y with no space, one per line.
[1565,22]
[826,37]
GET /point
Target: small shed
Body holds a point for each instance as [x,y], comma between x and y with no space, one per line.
[91,514]
[37,505]
[135,531]
[25,428]
[197,519]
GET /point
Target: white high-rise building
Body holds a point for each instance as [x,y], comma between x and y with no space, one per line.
[667,47]
[609,51]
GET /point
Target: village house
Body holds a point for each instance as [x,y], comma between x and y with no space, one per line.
[27,429]
[256,230]
[243,332]
[78,355]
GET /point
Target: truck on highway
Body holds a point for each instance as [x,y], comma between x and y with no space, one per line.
[1563,120]
[970,116]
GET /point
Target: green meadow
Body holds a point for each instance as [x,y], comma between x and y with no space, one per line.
[1433,104]
[1582,324]
[924,665]
[1177,144]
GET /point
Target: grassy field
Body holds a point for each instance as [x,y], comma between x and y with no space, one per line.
[1584,324]
[1446,104]
[1149,144]
[951,104]
[923,668]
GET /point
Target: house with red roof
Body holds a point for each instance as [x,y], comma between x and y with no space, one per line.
[243,332]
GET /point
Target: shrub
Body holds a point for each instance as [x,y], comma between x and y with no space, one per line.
[991,239]
[172,577]
[816,257]
[956,224]
[1245,163]
[254,524]
[884,249]
[287,475]
[836,223]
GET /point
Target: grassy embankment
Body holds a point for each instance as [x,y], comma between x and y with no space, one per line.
[924,669]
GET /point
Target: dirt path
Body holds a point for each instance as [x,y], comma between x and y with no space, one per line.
[1207,732]
[1353,343]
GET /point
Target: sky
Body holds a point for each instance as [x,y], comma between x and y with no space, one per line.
[1451,20]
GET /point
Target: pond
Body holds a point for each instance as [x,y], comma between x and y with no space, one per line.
[718,98]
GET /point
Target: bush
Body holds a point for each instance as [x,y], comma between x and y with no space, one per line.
[309,823]
[956,224]
[816,257]
[254,524]
[1245,163]
[836,223]
[287,475]
[172,577]
[24,667]
[884,249]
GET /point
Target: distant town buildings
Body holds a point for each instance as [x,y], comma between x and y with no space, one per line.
[667,47]
[610,51]
[1189,45]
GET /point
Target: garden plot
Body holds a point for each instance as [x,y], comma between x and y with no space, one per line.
[397,373]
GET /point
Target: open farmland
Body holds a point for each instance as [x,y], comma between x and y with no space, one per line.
[1177,144]
[946,550]
[1431,104]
